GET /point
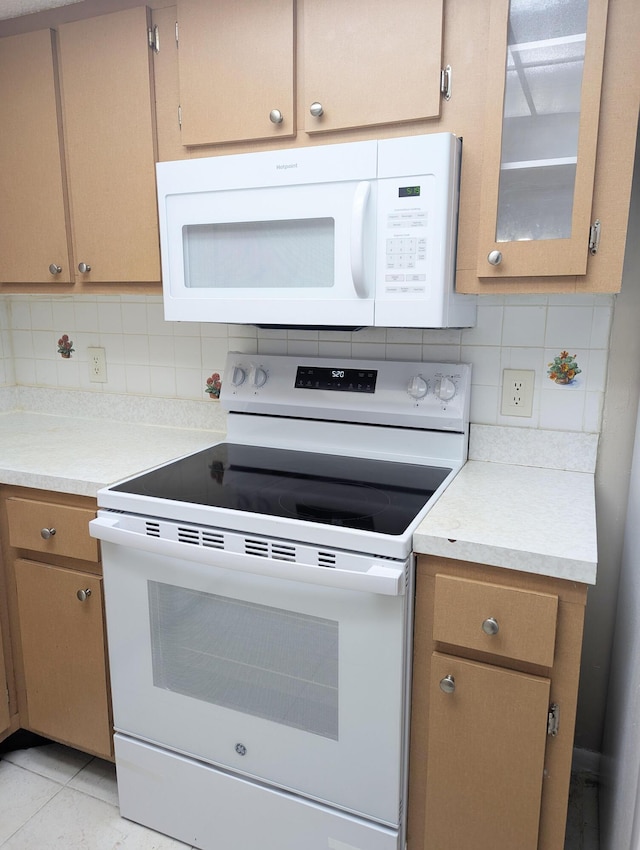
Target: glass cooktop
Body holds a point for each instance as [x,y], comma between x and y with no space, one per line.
[371,495]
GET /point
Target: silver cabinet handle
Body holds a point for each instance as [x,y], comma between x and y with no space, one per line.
[276,117]
[83,595]
[316,109]
[495,257]
[490,626]
[46,533]
[447,685]
[83,268]
[54,269]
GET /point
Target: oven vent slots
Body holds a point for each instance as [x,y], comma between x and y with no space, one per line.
[189,535]
[326,559]
[213,539]
[152,529]
[259,548]
[282,552]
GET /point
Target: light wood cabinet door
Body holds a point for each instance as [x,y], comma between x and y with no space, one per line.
[33,233]
[236,65]
[541,134]
[63,655]
[487,737]
[369,62]
[110,146]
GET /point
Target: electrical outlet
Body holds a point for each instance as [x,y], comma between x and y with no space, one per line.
[97,365]
[517,392]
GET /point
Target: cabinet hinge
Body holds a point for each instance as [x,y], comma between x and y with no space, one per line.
[594,237]
[446,75]
[153,34]
[180,117]
[553,719]
[177,34]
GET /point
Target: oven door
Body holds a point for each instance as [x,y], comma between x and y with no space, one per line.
[298,684]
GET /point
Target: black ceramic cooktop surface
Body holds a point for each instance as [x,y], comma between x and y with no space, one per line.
[372,495]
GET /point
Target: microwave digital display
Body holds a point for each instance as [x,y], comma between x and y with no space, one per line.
[338,379]
[409,191]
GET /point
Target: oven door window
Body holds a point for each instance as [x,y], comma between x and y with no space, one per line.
[260,660]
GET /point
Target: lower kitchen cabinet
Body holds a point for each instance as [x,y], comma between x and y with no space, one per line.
[63,655]
[56,614]
[495,681]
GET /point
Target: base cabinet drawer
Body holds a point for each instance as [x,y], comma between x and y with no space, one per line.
[60,615]
[51,529]
[501,620]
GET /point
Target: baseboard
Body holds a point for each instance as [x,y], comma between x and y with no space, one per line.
[586,761]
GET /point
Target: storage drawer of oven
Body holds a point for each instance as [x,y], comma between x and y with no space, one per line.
[52,529]
[501,620]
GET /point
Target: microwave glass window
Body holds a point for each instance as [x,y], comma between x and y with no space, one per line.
[260,254]
[263,661]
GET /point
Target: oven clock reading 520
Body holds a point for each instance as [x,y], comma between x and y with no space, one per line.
[339,380]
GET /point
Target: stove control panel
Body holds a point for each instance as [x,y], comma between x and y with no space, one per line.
[380,392]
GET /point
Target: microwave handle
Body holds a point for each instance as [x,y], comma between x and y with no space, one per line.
[358,211]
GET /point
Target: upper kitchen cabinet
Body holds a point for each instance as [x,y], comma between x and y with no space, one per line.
[110,146]
[369,62]
[541,135]
[33,231]
[236,67]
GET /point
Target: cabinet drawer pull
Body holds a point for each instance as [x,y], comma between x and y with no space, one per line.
[55,269]
[447,685]
[490,626]
[83,268]
[46,533]
[83,595]
[275,116]
[316,109]
[494,257]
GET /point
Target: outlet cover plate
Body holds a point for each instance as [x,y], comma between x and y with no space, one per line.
[517,392]
[97,365]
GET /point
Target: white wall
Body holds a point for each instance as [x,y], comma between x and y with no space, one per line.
[150,357]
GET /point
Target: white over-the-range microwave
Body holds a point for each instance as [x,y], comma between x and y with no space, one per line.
[344,235]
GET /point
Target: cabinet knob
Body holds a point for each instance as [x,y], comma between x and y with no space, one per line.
[316,109]
[447,685]
[83,595]
[83,268]
[490,626]
[54,269]
[46,533]
[494,257]
[276,117]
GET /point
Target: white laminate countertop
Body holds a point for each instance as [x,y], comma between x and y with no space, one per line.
[527,518]
[75,455]
[524,518]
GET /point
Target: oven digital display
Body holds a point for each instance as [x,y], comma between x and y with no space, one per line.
[409,191]
[338,379]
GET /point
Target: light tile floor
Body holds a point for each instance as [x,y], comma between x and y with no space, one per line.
[56,798]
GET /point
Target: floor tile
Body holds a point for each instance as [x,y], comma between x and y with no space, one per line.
[22,795]
[51,760]
[98,779]
[75,821]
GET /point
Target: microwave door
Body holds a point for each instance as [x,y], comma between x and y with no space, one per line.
[283,255]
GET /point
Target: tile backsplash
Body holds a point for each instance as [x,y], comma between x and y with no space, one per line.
[146,356]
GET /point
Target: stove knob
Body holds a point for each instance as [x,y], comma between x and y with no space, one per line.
[445,389]
[259,377]
[238,376]
[417,387]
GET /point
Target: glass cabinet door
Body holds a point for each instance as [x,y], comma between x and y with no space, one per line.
[543,103]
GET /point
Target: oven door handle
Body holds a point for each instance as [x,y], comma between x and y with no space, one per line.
[384,579]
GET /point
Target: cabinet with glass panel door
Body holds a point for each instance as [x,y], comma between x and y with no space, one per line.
[543,107]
